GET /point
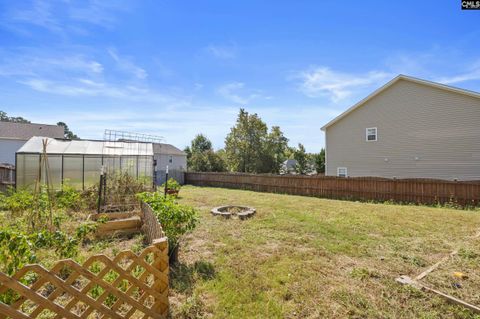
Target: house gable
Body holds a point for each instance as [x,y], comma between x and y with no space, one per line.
[392,83]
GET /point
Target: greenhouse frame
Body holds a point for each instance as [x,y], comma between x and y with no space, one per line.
[79,163]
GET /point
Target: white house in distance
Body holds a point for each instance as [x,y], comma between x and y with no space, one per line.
[168,155]
[14,135]
[408,128]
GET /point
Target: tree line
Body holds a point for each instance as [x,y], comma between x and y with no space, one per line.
[251,147]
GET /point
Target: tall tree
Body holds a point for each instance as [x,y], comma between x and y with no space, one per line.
[201,157]
[245,143]
[319,161]
[67,133]
[275,150]
[200,144]
[301,156]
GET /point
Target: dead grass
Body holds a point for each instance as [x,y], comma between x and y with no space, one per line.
[302,257]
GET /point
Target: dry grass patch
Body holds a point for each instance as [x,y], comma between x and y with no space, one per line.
[302,257]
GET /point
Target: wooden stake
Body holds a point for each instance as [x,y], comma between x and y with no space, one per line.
[405,280]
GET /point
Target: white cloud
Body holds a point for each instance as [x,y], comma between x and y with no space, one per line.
[178,125]
[95,12]
[62,17]
[28,62]
[236,93]
[222,51]
[58,72]
[37,13]
[127,65]
[322,81]
[471,74]
[88,88]
[438,64]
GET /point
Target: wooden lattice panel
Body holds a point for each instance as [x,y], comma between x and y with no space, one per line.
[127,286]
[151,227]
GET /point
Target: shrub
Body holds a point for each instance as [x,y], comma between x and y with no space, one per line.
[176,219]
[69,198]
[18,248]
[17,202]
[15,251]
[172,184]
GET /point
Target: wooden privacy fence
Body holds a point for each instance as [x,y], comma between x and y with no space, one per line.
[421,191]
[127,286]
[7,176]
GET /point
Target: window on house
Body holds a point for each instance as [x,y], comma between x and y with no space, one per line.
[371,134]
[341,171]
[170,159]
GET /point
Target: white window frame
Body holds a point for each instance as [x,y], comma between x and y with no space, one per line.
[340,168]
[366,134]
[170,159]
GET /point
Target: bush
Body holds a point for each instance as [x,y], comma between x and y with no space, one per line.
[176,219]
[17,202]
[69,198]
[172,184]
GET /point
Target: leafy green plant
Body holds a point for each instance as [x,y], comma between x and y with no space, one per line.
[69,198]
[15,251]
[85,229]
[176,219]
[172,184]
[17,202]
[18,248]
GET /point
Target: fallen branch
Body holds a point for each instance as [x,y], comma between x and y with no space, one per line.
[405,280]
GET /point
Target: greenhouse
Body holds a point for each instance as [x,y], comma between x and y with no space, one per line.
[79,163]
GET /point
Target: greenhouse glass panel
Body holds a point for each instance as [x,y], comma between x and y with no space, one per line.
[111,164]
[54,173]
[27,170]
[93,166]
[145,169]
[82,161]
[73,171]
[129,165]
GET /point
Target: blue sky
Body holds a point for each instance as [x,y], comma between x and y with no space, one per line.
[177,68]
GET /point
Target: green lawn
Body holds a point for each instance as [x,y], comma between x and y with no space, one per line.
[303,257]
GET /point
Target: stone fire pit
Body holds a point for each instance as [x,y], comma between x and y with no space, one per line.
[228,211]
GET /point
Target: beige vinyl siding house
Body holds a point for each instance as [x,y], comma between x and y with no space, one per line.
[409,128]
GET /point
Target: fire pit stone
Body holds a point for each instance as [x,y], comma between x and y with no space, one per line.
[242,212]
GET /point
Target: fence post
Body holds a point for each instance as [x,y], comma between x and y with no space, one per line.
[161,263]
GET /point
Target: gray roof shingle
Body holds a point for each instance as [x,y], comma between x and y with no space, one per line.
[24,131]
[169,149]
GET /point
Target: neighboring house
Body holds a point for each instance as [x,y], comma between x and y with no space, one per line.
[14,135]
[176,159]
[288,167]
[409,128]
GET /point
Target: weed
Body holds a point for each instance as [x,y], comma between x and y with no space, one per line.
[467,253]
[192,308]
